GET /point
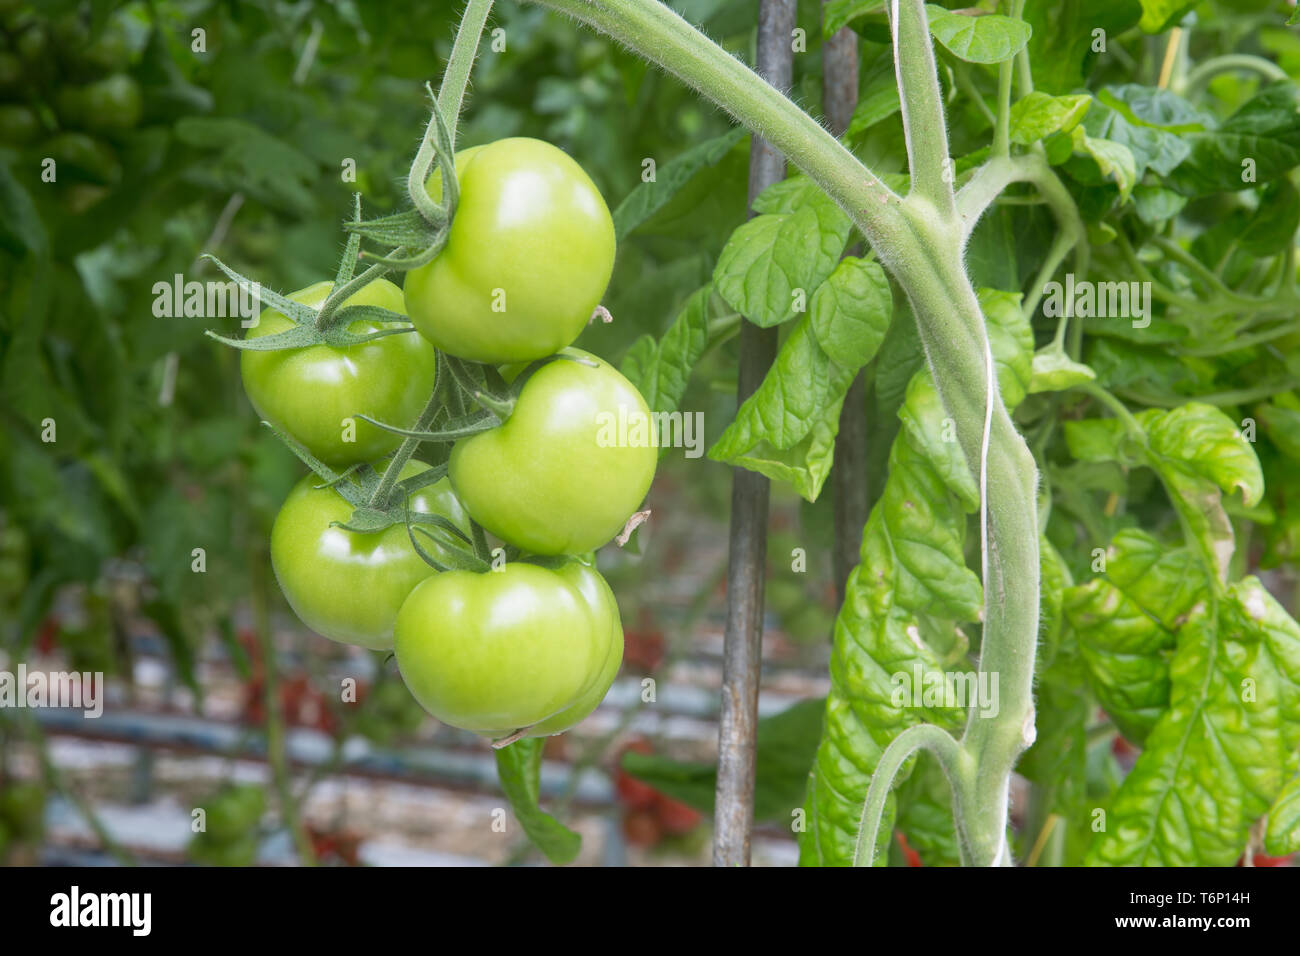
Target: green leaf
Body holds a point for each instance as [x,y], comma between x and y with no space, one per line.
[978,38]
[784,407]
[1156,204]
[1126,625]
[1282,838]
[927,422]
[1114,160]
[925,814]
[841,13]
[1257,144]
[786,429]
[1101,439]
[786,743]
[1011,340]
[1282,425]
[777,260]
[251,160]
[906,600]
[1064,47]
[661,370]
[850,312]
[1159,15]
[21,228]
[1039,115]
[878,100]
[1197,452]
[1150,123]
[519,767]
[1208,443]
[649,197]
[1273,226]
[805,463]
[1156,108]
[1222,752]
[912,568]
[1054,371]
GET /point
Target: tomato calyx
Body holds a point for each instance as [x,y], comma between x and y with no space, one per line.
[375,510]
[427,226]
[327,325]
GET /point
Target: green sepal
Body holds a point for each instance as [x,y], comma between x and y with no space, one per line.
[298,337]
[455,430]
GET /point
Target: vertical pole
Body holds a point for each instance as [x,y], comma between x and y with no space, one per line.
[849,477]
[742,648]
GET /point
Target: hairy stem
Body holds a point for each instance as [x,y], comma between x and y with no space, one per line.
[919,737]
[456,78]
[921,242]
[1203,72]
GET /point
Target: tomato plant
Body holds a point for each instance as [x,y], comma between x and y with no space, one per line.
[985,313]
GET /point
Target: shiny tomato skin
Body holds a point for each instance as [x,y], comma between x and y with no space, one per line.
[310,392]
[557,477]
[529,256]
[499,651]
[346,586]
[587,580]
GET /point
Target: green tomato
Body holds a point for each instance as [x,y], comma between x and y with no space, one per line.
[234,812]
[604,606]
[78,157]
[499,651]
[33,43]
[571,464]
[18,125]
[314,393]
[347,586]
[11,72]
[241,851]
[529,255]
[111,105]
[22,806]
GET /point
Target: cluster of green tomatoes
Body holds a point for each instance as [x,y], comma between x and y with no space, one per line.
[67,94]
[531,646]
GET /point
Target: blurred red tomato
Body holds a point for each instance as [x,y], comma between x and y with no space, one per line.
[641,828]
[675,817]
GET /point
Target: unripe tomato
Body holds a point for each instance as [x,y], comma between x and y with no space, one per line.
[11,72]
[18,125]
[558,477]
[33,42]
[233,812]
[310,392]
[499,651]
[22,806]
[604,606]
[529,255]
[78,157]
[110,105]
[347,586]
